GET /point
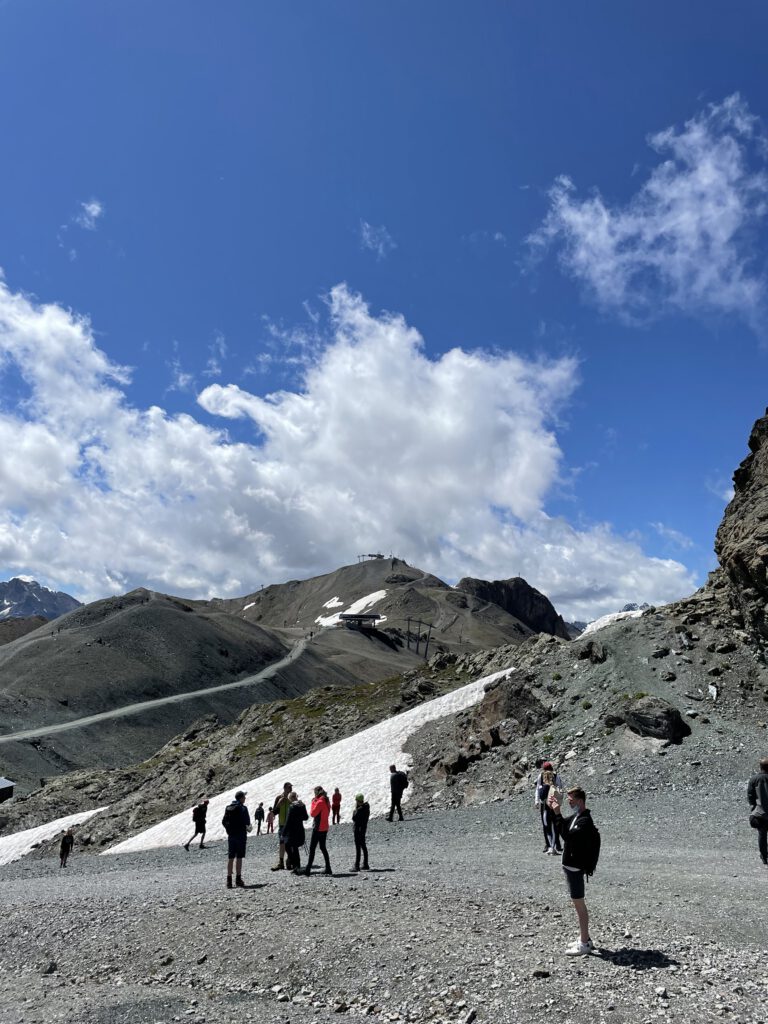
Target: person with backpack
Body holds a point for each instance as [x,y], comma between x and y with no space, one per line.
[293,832]
[280,810]
[258,817]
[547,782]
[360,816]
[581,850]
[65,848]
[320,811]
[336,806]
[757,795]
[237,825]
[199,814]
[398,783]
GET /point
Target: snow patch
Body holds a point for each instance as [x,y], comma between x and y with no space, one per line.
[247,606]
[26,579]
[358,764]
[15,846]
[606,620]
[356,608]
[335,602]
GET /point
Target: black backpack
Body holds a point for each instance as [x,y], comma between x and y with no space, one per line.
[590,850]
[228,820]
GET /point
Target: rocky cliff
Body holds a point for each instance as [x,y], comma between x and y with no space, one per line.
[520,599]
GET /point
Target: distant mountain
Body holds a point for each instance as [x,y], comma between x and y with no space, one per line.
[22,597]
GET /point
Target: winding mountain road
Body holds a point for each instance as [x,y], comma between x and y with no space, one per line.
[176,698]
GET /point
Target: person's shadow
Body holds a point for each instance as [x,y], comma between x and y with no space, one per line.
[637,959]
[254,885]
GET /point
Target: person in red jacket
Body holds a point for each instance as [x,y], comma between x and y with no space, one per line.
[336,806]
[319,811]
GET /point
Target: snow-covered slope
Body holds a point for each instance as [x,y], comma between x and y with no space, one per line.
[606,620]
[17,845]
[358,764]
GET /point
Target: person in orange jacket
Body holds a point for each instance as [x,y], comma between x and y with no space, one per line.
[319,811]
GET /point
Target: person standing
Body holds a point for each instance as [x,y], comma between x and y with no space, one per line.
[547,782]
[336,806]
[67,842]
[581,848]
[293,832]
[757,795]
[258,817]
[237,825]
[398,783]
[360,816]
[320,811]
[199,814]
[270,821]
[280,809]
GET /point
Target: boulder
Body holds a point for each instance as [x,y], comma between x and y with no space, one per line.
[594,651]
[656,717]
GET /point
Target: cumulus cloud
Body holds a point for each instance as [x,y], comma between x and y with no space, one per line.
[89,214]
[376,239]
[684,240]
[447,461]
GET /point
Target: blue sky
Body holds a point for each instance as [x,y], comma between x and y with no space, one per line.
[197,179]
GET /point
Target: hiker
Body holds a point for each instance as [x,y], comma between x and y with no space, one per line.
[548,781]
[199,814]
[319,810]
[360,816]
[398,783]
[581,849]
[336,806]
[270,821]
[757,794]
[293,832]
[237,825]
[67,842]
[280,808]
[258,817]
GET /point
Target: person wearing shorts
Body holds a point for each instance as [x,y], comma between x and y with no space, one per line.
[237,822]
[573,831]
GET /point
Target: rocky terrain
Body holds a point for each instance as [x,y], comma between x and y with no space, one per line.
[12,629]
[461,919]
[22,597]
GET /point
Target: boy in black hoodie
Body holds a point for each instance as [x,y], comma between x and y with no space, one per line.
[578,834]
[360,816]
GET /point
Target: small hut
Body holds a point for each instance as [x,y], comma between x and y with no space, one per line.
[364,620]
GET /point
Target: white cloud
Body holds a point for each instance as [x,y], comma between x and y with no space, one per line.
[675,537]
[447,461]
[377,239]
[89,214]
[218,353]
[684,240]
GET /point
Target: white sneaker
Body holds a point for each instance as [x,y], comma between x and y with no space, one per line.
[580,949]
[550,852]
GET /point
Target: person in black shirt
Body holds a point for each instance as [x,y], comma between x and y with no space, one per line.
[360,816]
[575,832]
[398,783]
[757,795]
[199,814]
[293,832]
[237,824]
[67,842]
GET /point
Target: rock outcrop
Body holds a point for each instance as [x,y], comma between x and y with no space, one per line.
[520,599]
[742,539]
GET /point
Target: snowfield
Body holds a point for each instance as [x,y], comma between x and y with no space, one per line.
[606,620]
[358,764]
[20,843]
[356,608]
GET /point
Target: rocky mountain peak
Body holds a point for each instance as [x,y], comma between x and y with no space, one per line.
[22,596]
[741,544]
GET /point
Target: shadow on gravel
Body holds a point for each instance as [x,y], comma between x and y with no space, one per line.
[255,885]
[638,959]
[379,871]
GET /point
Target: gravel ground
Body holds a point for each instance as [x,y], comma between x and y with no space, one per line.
[462,918]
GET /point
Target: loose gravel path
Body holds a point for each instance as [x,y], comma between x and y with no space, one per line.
[462,919]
